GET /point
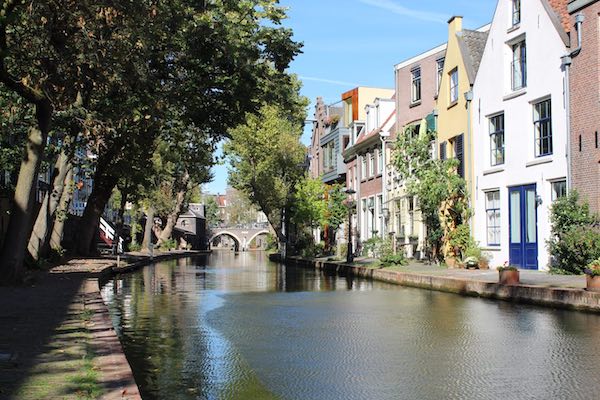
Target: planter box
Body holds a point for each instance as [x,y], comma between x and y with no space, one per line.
[593,283]
[508,277]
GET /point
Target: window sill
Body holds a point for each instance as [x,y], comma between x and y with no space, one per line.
[414,104]
[454,103]
[516,93]
[542,160]
[494,170]
[492,247]
[514,28]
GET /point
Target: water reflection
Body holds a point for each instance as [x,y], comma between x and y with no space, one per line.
[239,327]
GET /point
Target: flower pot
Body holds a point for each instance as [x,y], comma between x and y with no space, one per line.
[484,265]
[508,277]
[593,283]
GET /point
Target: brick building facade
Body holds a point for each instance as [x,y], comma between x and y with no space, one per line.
[585,104]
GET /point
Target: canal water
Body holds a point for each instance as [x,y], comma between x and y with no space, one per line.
[229,326]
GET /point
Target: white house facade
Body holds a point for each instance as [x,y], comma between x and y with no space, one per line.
[520,134]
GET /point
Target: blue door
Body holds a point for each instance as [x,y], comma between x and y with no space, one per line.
[523,247]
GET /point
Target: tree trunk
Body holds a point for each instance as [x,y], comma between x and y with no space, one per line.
[40,234]
[88,228]
[19,227]
[173,215]
[148,229]
[120,220]
[60,217]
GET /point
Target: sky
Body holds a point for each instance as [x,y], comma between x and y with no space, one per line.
[349,43]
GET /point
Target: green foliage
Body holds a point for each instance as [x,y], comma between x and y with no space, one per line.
[460,241]
[309,207]
[390,260]
[135,247]
[441,192]
[336,209]
[593,268]
[313,250]
[265,155]
[56,254]
[575,239]
[211,210]
[271,242]
[168,244]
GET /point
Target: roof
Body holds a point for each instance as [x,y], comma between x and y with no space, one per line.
[375,132]
[558,11]
[191,214]
[472,45]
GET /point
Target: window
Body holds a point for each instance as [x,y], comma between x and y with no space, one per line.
[415,85]
[559,189]
[371,165]
[542,122]
[439,71]
[519,66]
[328,157]
[443,151]
[454,85]
[492,209]
[363,167]
[380,162]
[497,140]
[516,12]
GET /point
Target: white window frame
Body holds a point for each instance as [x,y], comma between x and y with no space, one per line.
[453,85]
[493,209]
[559,188]
[415,85]
[495,131]
[542,126]
[439,73]
[516,12]
[518,65]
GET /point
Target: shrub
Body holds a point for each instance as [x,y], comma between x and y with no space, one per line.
[390,260]
[460,240]
[375,247]
[168,244]
[575,239]
[56,254]
[593,268]
[135,247]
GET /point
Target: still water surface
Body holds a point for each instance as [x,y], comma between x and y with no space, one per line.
[231,326]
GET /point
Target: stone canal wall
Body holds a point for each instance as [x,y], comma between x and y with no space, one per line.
[574,299]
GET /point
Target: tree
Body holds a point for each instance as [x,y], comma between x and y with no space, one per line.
[264,156]
[441,192]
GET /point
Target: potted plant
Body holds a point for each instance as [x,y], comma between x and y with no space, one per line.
[471,262]
[592,275]
[508,274]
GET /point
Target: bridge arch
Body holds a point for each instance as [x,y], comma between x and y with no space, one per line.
[232,235]
[262,232]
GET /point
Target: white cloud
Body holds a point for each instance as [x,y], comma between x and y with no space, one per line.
[330,81]
[390,5]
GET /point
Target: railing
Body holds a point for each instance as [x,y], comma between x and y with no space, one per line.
[107,234]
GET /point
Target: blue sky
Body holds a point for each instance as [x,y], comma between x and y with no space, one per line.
[349,43]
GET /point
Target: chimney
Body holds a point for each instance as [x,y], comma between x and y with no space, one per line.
[455,25]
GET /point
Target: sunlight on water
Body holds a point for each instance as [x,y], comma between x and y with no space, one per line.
[239,327]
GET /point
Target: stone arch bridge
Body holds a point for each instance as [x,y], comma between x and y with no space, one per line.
[242,236]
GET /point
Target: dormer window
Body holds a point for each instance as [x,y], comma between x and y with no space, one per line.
[516,12]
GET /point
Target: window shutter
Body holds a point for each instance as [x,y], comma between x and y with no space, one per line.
[443,151]
[459,151]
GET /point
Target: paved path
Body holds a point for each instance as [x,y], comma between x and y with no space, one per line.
[57,340]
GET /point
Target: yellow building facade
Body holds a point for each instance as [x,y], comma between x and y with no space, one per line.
[453,105]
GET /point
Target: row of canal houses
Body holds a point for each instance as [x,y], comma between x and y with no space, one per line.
[516,102]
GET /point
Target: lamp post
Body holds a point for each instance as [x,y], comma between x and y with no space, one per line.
[349,253]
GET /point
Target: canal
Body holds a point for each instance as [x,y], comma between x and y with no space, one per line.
[229,326]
